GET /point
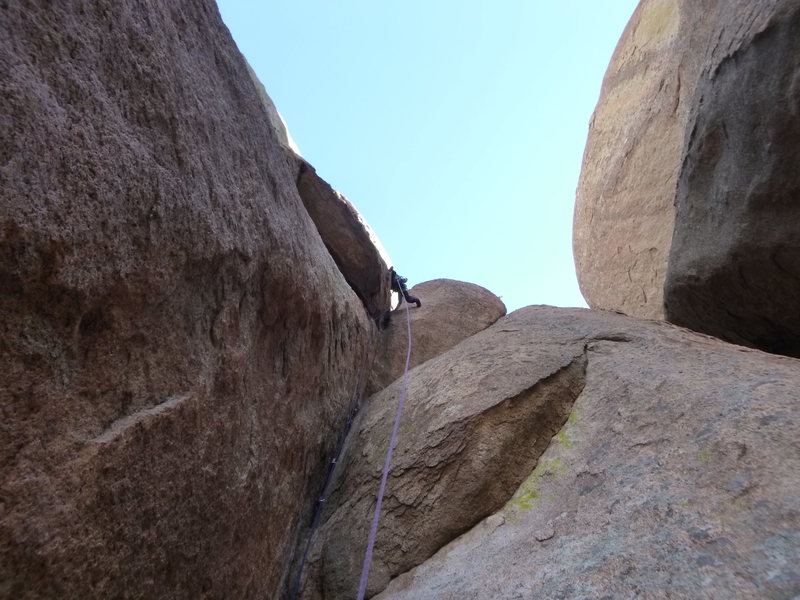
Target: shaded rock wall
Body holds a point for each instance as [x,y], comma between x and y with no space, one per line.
[348,238]
[177,343]
[734,268]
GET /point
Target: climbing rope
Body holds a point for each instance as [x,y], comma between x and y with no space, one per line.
[362,588]
[332,467]
[356,405]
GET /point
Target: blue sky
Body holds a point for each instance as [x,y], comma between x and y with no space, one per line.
[455,127]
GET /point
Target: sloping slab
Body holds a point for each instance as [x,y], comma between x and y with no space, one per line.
[676,475]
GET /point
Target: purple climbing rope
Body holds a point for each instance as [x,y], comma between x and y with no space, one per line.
[362,587]
[355,407]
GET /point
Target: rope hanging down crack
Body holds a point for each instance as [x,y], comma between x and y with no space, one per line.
[362,588]
[356,406]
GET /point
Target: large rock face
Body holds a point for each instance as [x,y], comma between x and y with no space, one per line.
[624,206]
[675,474]
[451,311]
[687,204]
[734,268]
[177,344]
[477,419]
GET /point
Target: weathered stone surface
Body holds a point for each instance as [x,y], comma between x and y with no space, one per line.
[734,267]
[477,417]
[698,114]
[676,475]
[177,345]
[348,237]
[624,206]
[451,311]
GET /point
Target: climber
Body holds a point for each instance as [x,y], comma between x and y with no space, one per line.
[399,286]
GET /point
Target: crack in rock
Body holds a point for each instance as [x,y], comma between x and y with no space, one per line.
[484,460]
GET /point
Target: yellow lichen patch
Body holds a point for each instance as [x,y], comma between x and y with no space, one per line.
[562,437]
[547,468]
[528,492]
[572,419]
[658,22]
[565,437]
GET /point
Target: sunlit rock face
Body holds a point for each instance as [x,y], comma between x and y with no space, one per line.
[672,472]
[686,207]
[179,349]
[624,206]
[477,418]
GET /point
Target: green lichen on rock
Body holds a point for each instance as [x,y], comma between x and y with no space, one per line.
[528,492]
[563,437]
[572,419]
